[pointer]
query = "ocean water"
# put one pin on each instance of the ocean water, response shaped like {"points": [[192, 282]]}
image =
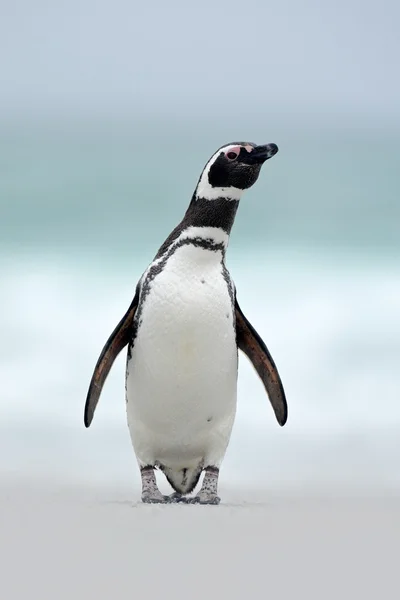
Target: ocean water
{"points": [[315, 257]]}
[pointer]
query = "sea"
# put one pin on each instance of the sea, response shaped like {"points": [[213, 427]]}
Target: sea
{"points": [[314, 254]]}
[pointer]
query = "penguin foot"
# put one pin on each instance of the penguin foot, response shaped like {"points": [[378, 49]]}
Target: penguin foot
{"points": [[208, 493], [150, 492], [204, 498], [155, 499]]}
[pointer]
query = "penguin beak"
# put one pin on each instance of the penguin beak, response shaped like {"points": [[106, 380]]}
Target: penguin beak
{"points": [[260, 154]]}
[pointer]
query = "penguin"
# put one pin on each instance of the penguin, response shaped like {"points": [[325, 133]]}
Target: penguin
{"points": [[183, 331]]}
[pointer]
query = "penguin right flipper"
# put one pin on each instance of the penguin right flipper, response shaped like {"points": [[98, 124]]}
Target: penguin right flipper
{"points": [[119, 338], [249, 342]]}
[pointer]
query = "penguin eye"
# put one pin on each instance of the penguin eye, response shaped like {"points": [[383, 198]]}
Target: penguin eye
{"points": [[231, 155]]}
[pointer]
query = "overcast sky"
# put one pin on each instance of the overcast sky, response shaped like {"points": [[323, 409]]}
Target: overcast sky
{"points": [[124, 57]]}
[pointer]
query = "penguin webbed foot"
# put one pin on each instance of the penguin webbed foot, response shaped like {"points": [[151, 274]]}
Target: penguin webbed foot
{"points": [[155, 499], [150, 492], [208, 492], [200, 498], [204, 498]]}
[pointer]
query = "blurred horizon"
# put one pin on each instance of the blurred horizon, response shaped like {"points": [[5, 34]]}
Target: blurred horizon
{"points": [[94, 188]]}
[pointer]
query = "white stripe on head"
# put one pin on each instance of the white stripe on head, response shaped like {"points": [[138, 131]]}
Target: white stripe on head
{"points": [[207, 191]]}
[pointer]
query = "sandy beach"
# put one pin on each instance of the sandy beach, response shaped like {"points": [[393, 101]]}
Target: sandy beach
{"points": [[75, 542]]}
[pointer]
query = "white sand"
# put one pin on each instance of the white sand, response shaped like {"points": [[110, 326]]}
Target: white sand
{"points": [[99, 543]]}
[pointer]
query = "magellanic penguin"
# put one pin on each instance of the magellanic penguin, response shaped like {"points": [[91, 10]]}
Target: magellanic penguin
{"points": [[183, 330]]}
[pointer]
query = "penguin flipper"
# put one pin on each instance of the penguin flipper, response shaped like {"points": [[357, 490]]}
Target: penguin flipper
{"points": [[116, 342], [249, 342]]}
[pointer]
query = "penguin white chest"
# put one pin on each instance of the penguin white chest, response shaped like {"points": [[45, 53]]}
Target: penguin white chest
{"points": [[182, 373]]}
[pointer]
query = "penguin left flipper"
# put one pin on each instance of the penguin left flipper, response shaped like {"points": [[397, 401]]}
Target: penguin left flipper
{"points": [[249, 342], [116, 342]]}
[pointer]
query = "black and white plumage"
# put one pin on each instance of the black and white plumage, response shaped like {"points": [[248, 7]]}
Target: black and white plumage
{"points": [[183, 330]]}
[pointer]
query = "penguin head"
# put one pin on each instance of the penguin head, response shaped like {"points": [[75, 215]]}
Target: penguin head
{"points": [[232, 169]]}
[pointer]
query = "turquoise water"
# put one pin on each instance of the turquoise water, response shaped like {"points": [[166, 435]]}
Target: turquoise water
{"points": [[315, 256], [121, 191]]}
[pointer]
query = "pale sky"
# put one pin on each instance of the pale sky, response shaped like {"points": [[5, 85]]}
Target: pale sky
{"points": [[82, 57]]}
